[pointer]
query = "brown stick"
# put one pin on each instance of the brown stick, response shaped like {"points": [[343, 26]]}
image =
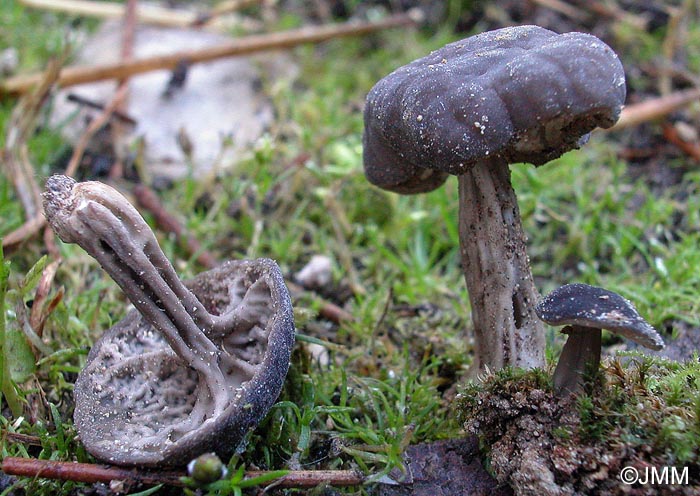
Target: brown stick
{"points": [[328, 310], [91, 473], [16, 437], [690, 148], [14, 157], [220, 9], [251, 44], [26, 230], [39, 312], [147, 14], [21, 126], [117, 129], [564, 8], [85, 472], [654, 108]]}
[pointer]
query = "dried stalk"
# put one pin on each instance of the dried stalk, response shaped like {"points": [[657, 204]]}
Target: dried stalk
{"points": [[26, 230], [117, 130], [91, 473], [243, 46], [14, 156], [23, 122], [42, 308], [655, 108], [84, 472], [690, 148], [147, 14], [222, 8], [16, 437], [564, 8]]}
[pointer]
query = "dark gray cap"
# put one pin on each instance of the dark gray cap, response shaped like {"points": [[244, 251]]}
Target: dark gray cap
{"points": [[524, 94], [134, 394], [591, 306]]}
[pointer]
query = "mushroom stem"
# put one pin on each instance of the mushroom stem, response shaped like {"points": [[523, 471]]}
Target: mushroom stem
{"points": [[497, 270], [579, 358], [109, 228]]}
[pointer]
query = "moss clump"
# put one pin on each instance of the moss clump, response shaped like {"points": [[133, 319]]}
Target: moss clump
{"points": [[643, 414]]}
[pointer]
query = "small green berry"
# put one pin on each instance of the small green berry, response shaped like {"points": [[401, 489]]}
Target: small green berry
{"points": [[206, 468]]}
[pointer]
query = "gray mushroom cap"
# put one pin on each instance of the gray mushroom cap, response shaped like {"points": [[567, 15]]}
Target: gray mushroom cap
{"points": [[594, 307], [524, 94], [134, 391], [196, 364]]}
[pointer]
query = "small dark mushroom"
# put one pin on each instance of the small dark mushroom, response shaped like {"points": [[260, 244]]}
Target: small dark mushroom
{"points": [[197, 365], [520, 94], [586, 310]]}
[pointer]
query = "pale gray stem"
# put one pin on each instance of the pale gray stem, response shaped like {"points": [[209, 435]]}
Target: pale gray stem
{"points": [[497, 270], [580, 358], [136, 232]]}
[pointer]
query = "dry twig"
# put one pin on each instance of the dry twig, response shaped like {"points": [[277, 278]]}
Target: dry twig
{"points": [[655, 108], [16, 437], [91, 473], [220, 9], [41, 308], [120, 105], [117, 99], [147, 14], [564, 8], [85, 472], [342, 229], [690, 148], [15, 155], [243, 46]]}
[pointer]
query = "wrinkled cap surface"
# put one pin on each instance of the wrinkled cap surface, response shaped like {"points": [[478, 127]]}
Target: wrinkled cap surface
{"points": [[591, 306], [523, 94], [137, 402]]}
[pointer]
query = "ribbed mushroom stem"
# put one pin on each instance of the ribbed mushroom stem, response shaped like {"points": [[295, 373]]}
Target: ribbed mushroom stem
{"points": [[497, 270], [109, 228]]}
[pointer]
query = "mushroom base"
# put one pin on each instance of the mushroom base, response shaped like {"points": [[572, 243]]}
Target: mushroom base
{"points": [[497, 271]]}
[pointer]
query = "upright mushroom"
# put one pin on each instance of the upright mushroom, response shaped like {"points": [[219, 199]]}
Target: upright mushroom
{"points": [[196, 365], [521, 94], [586, 310]]}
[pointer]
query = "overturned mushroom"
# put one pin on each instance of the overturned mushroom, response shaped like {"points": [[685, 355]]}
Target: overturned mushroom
{"points": [[521, 94], [586, 310], [197, 365]]}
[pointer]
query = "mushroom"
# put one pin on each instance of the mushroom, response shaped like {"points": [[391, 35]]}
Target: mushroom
{"points": [[586, 310], [519, 94], [196, 365]]}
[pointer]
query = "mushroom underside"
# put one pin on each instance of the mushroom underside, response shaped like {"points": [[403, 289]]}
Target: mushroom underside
{"points": [[138, 403]]}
